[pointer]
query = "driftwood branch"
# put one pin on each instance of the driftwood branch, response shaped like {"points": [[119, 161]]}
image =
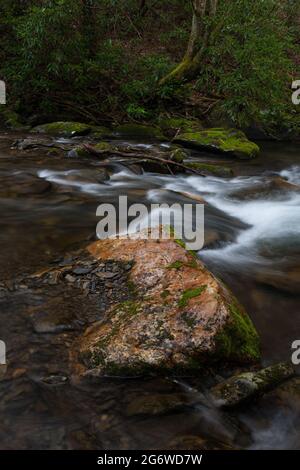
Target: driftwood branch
{"points": [[168, 163]]}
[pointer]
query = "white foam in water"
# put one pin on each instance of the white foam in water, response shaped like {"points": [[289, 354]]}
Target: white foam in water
{"points": [[58, 177], [292, 174], [122, 176], [269, 218]]}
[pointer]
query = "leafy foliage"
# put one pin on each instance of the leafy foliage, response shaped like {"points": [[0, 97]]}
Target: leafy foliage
{"points": [[247, 64], [102, 60]]}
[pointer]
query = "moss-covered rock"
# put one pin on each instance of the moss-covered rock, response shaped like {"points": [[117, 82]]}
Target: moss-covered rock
{"points": [[178, 155], [227, 141], [174, 125], [64, 129], [100, 132], [239, 338], [248, 385], [209, 169], [138, 132], [181, 319], [81, 151]]}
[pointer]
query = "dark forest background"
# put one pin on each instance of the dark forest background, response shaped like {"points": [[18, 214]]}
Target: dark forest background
{"points": [[108, 61]]}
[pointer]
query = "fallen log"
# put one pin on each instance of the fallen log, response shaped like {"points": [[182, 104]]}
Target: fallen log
{"points": [[168, 163]]}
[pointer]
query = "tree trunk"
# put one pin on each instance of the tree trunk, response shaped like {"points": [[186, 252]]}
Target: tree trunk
{"points": [[190, 65]]}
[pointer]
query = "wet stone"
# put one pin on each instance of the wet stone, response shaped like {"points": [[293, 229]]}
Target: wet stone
{"points": [[55, 380], [196, 443], [66, 262], [106, 275], [156, 404], [248, 385], [51, 320], [81, 270]]}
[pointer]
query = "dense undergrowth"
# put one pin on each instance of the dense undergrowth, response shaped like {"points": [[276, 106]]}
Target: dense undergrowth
{"points": [[101, 61]]}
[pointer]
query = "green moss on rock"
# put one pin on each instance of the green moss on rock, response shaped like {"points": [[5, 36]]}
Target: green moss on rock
{"points": [[239, 340], [190, 294], [178, 155], [135, 336], [165, 293], [215, 170], [100, 132], [228, 141], [81, 151], [248, 385], [65, 129], [173, 125], [176, 265]]}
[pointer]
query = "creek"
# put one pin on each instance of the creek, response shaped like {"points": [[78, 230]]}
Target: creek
{"points": [[252, 231]]}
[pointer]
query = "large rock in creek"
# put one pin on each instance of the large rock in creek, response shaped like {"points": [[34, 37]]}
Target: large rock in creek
{"points": [[275, 187], [180, 318], [72, 129], [172, 126], [209, 169], [23, 185], [82, 151], [286, 279], [64, 129], [248, 385], [227, 141]]}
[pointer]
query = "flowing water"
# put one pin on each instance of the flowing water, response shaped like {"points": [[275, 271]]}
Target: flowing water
{"points": [[252, 227]]}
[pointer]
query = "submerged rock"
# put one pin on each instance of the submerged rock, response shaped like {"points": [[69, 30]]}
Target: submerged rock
{"points": [[51, 318], [181, 316], [55, 380], [285, 280], [243, 387], [287, 395], [275, 187], [81, 151], [227, 141], [209, 169], [64, 129], [197, 443], [156, 404], [22, 185]]}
